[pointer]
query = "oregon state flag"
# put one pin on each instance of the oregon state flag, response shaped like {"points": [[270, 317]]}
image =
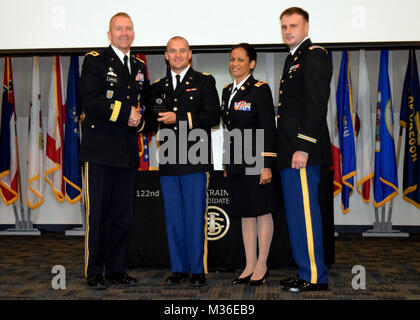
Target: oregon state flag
{"points": [[409, 119], [35, 189], [346, 132], [71, 165], [385, 180], [143, 140], [334, 136], [9, 169], [54, 148]]}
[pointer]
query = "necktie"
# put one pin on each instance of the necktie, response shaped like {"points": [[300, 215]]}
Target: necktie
{"points": [[231, 96], [126, 66], [178, 80]]}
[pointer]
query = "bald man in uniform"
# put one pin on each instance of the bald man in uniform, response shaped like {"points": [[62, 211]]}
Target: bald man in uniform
{"points": [[113, 90]]}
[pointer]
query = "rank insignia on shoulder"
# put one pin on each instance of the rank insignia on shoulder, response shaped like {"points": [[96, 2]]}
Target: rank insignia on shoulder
{"points": [[226, 85], [260, 83], [141, 60], [318, 47], [206, 74], [92, 53], [156, 81]]}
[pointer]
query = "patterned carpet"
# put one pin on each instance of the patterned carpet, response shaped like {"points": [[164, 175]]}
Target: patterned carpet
{"points": [[392, 267]]}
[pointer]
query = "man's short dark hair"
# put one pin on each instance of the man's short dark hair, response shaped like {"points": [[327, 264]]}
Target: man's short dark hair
{"points": [[295, 10]]}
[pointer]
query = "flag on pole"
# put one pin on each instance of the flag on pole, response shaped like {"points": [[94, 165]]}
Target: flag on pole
{"points": [[346, 132], [35, 163], [9, 167], [364, 134], [54, 149], [409, 119], [143, 140], [385, 180], [334, 136], [71, 165]]}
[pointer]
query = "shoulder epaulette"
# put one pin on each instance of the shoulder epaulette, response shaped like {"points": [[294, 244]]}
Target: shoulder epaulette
{"points": [[227, 85], [92, 53], [260, 83], [317, 47], [206, 74], [156, 81], [141, 60]]}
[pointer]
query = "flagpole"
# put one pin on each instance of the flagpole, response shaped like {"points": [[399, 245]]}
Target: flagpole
{"points": [[389, 222]]}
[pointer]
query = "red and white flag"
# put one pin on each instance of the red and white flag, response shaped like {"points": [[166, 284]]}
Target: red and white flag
{"points": [[364, 134], [334, 137], [35, 192], [54, 148], [9, 167]]}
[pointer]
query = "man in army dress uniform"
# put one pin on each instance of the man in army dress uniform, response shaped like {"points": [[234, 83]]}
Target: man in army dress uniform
{"points": [[303, 147], [113, 89], [192, 102]]}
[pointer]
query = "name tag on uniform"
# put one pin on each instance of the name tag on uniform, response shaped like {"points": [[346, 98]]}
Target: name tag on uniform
{"points": [[242, 106]]}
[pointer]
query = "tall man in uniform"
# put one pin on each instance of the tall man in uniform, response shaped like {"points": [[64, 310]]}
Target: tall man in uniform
{"points": [[113, 89], [303, 147], [192, 103]]}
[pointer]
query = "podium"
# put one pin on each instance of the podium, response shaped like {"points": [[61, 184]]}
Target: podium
{"points": [[148, 244]]}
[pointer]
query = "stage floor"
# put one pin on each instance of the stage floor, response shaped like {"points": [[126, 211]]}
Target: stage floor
{"points": [[392, 267]]}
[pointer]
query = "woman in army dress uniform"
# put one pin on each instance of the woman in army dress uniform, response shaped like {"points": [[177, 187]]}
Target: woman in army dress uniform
{"points": [[247, 104]]}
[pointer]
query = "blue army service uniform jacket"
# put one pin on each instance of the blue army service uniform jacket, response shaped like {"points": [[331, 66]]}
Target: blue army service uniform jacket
{"points": [[196, 104], [251, 108], [302, 108], [107, 96]]}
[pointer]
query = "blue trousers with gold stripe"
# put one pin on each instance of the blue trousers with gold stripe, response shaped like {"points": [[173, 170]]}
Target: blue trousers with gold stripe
{"points": [[185, 202], [300, 190]]}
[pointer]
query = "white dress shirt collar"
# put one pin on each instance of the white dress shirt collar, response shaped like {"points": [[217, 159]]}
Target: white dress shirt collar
{"points": [[121, 55], [292, 52], [182, 75]]}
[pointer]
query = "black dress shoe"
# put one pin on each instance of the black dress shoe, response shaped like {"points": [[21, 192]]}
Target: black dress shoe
{"points": [[288, 282], [302, 285], [241, 280], [121, 278], [198, 279], [259, 281], [176, 277], [96, 282]]}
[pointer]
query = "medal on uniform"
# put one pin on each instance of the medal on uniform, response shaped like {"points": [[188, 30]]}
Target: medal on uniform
{"points": [[242, 106], [294, 67], [109, 94], [140, 76]]}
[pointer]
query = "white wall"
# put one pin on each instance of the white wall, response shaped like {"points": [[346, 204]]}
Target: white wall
{"points": [[82, 24], [52, 212]]}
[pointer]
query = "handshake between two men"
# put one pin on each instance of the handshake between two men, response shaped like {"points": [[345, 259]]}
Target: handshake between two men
{"points": [[135, 117]]}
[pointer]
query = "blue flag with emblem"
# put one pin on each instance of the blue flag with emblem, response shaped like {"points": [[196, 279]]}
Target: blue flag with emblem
{"points": [[409, 119], [71, 165], [385, 183], [346, 132]]}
